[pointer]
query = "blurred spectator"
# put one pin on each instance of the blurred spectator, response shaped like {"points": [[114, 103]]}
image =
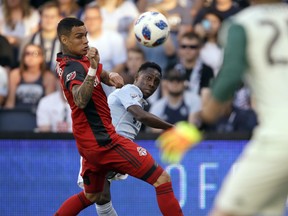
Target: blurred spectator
{"points": [[225, 9], [70, 8], [37, 3], [118, 15], [178, 105], [31, 81], [6, 53], [109, 43], [46, 37], [207, 29], [18, 20], [51, 118], [198, 75], [3, 85], [136, 58]]}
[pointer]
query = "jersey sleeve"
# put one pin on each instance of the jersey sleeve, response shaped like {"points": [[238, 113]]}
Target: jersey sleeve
{"points": [[74, 73], [234, 64], [130, 95]]}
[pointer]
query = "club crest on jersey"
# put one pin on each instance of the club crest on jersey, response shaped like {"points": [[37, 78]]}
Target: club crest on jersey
{"points": [[142, 151], [71, 76], [133, 95]]}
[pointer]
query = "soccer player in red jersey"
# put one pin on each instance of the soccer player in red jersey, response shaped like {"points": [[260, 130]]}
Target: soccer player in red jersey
{"points": [[100, 146]]}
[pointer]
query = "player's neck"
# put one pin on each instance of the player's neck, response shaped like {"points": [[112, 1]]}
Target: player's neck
{"points": [[65, 51]]}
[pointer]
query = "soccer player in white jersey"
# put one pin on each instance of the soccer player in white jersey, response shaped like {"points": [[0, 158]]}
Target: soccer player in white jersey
{"points": [[127, 111], [256, 49]]}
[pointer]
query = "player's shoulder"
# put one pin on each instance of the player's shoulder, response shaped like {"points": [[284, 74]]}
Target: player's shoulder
{"points": [[130, 88]]}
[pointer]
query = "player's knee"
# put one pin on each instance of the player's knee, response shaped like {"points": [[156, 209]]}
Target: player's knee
{"points": [[103, 199], [93, 197], [163, 178]]}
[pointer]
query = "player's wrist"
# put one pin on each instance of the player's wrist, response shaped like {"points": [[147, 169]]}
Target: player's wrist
{"points": [[92, 71]]}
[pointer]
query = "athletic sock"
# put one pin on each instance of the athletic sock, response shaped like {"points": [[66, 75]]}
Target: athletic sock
{"points": [[106, 209], [73, 205], [168, 204]]}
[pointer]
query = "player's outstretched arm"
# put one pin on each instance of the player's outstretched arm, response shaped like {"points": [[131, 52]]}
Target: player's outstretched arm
{"points": [[148, 118], [112, 79]]}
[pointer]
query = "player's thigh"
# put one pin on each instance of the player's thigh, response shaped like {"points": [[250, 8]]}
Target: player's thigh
{"points": [[93, 182], [130, 158], [259, 183]]}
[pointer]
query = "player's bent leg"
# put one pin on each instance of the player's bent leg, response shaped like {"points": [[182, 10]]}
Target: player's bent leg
{"points": [[168, 204], [163, 178], [73, 205], [103, 203]]}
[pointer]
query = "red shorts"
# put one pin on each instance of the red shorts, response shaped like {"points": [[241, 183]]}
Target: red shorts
{"points": [[121, 155]]}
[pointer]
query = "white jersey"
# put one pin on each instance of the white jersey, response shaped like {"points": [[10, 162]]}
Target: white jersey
{"points": [[266, 28], [124, 122]]}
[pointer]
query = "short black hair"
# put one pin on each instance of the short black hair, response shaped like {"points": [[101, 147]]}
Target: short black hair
{"points": [[148, 64], [66, 24]]}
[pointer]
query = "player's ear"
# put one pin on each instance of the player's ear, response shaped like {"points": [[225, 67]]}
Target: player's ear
{"points": [[136, 77], [64, 39]]}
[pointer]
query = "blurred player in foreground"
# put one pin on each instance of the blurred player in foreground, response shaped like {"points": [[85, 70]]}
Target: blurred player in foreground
{"points": [[98, 143], [256, 48], [127, 111]]}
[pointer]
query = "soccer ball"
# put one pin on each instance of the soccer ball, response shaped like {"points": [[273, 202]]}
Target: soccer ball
{"points": [[151, 29]]}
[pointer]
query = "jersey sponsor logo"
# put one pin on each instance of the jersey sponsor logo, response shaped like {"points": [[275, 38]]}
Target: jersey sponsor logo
{"points": [[70, 76], [133, 95], [142, 151]]}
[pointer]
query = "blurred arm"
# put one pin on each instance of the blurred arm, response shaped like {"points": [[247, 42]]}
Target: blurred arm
{"points": [[230, 76]]}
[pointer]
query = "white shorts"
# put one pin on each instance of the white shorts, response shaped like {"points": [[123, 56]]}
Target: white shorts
{"points": [[259, 182]]}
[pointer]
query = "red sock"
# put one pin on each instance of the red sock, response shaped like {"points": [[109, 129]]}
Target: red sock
{"points": [[73, 205], [168, 204]]}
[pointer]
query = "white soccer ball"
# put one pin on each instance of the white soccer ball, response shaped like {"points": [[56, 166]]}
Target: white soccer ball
{"points": [[151, 29]]}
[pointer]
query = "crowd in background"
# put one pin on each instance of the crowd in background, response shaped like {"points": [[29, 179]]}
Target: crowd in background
{"points": [[190, 58]]}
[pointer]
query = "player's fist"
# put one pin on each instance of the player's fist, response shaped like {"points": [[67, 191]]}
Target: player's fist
{"points": [[176, 141], [94, 57], [116, 80]]}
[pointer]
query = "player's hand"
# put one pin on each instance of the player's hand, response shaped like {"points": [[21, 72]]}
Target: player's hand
{"points": [[176, 141], [94, 57], [116, 80]]}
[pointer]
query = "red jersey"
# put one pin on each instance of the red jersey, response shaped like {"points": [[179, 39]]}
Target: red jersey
{"points": [[92, 126]]}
